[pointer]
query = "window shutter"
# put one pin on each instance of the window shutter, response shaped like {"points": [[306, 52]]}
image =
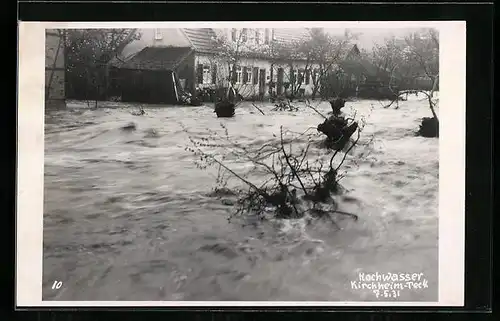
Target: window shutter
{"points": [[200, 73], [214, 74], [308, 75], [255, 75], [292, 76], [245, 75]]}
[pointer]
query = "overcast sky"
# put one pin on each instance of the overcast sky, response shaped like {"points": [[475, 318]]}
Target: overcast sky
{"points": [[368, 37]]}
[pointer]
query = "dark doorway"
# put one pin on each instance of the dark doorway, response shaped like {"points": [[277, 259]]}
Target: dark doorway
{"points": [[279, 84], [145, 86], [262, 81]]}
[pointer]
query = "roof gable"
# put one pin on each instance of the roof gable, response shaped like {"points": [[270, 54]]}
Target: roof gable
{"points": [[354, 62], [200, 39]]}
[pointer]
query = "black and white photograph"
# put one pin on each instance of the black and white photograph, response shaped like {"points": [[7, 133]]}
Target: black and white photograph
{"points": [[245, 162]]}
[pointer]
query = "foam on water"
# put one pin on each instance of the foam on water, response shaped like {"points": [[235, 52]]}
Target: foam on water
{"points": [[128, 216]]}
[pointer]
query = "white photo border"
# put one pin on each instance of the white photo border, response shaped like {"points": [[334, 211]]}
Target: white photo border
{"points": [[30, 159]]}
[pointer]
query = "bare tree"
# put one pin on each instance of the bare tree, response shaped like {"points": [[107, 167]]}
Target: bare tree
{"points": [[326, 52], [423, 50], [295, 58], [402, 62], [308, 59], [88, 52], [416, 57], [229, 55], [388, 60], [392, 65]]}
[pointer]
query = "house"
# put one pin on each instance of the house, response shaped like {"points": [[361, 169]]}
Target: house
{"points": [[352, 71], [54, 69], [201, 63], [360, 70]]}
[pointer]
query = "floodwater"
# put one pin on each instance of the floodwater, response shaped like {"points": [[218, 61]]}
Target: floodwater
{"points": [[128, 215]]}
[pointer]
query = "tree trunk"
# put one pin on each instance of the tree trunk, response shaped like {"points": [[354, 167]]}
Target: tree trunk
{"points": [[314, 92], [434, 85], [431, 104]]}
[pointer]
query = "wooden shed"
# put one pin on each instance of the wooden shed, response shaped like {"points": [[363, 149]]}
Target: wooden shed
{"points": [[150, 76]]}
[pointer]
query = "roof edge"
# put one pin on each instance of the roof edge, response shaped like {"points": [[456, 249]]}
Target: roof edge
{"points": [[181, 60], [188, 39]]}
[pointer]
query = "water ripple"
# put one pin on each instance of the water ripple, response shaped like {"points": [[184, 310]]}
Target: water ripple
{"points": [[128, 216]]}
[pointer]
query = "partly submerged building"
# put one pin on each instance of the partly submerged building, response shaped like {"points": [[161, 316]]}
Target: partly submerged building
{"points": [[151, 75], [193, 56]]}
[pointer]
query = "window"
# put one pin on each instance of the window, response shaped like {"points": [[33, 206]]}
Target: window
{"points": [[308, 75], [251, 36], [266, 37], [158, 34], [247, 76], [207, 75], [234, 35], [244, 35], [257, 37], [238, 75]]}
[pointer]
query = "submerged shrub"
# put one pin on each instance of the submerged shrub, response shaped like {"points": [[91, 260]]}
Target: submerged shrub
{"points": [[294, 183], [224, 108], [429, 127]]}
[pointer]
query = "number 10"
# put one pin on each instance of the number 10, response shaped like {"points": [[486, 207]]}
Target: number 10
{"points": [[57, 285]]}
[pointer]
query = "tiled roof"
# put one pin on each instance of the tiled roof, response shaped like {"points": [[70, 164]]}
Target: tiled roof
{"points": [[291, 34], [201, 38], [360, 65], [156, 58]]}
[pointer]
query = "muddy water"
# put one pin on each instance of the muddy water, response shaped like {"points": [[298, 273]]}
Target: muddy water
{"points": [[128, 216]]}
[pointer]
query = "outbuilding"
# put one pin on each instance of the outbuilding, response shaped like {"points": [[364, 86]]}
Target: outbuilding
{"points": [[150, 76]]}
